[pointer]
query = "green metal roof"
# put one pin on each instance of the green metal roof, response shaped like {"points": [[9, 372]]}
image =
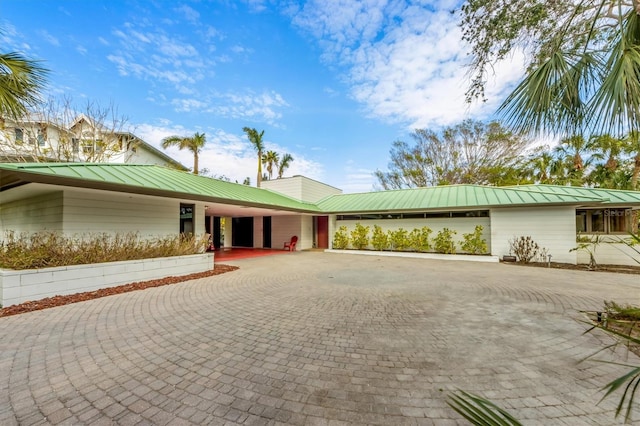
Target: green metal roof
{"points": [[446, 197], [165, 182], [147, 179], [609, 196]]}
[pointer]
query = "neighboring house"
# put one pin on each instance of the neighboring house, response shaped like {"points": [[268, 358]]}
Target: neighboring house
{"points": [[79, 198], [36, 139]]}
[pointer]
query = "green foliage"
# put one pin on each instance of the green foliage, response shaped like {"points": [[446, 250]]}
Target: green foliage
{"points": [[473, 242], [360, 237], [49, 249], [22, 81], [589, 245], [379, 239], [480, 411], [443, 242], [341, 239], [399, 239], [419, 239], [524, 248]]}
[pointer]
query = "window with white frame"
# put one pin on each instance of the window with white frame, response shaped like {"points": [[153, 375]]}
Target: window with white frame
{"points": [[604, 221]]}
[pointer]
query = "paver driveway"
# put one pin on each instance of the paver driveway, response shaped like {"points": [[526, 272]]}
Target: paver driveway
{"points": [[317, 338]]}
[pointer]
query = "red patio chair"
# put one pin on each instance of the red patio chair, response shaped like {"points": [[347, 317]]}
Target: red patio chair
{"points": [[291, 245]]}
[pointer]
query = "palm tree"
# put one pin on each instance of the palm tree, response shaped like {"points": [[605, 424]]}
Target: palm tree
{"points": [[606, 146], [284, 164], [21, 81], [632, 147], [572, 150], [256, 140], [194, 144], [591, 84], [270, 159]]}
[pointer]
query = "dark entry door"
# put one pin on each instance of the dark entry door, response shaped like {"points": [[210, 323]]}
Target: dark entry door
{"points": [[216, 232], [266, 232], [323, 232], [242, 230]]}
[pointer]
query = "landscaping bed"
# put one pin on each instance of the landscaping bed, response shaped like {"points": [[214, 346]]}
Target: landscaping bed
{"points": [[54, 301], [621, 269]]}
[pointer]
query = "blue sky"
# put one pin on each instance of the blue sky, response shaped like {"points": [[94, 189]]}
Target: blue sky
{"points": [[332, 82]]}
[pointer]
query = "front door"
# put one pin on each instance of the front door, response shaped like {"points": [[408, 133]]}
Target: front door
{"points": [[266, 232], [242, 232], [323, 232]]}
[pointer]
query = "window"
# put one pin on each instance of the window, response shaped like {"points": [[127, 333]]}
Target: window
{"points": [[40, 138], [75, 145], [19, 136], [425, 215], [603, 221]]}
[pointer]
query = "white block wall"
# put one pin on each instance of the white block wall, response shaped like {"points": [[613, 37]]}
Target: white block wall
{"points": [[612, 252], [34, 284], [462, 225], [553, 228], [258, 235], [301, 188], [112, 212], [33, 214], [285, 227]]}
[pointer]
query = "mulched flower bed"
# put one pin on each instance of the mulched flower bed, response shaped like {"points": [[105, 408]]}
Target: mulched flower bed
{"points": [[621, 269], [54, 301]]}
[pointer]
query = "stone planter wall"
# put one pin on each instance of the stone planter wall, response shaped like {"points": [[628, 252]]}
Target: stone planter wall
{"points": [[34, 284]]}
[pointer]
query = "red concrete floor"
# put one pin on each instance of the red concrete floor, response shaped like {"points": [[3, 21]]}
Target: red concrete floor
{"points": [[245, 253]]}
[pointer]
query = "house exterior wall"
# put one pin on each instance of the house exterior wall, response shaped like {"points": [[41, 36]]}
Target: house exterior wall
{"points": [[553, 228], [258, 235], [301, 188], [111, 212], [460, 225], [285, 227], [33, 214], [611, 251]]}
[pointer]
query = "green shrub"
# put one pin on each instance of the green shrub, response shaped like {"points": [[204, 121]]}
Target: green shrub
{"points": [[341, 239], [474, 243], [360, 237], [443, 242], [48, 249], [379, 239], [419, 239], [399, 239]]}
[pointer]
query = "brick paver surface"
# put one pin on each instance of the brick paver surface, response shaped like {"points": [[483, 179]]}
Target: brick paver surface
{"points": [[319, 339]]}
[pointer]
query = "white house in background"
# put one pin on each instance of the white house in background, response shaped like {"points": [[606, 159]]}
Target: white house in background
{"points": [[80, 198], [36, 139]]}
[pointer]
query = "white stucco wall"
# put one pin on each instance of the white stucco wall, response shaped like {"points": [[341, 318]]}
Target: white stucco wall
{"points": [[553, 228], [610, 251], [285, 227], [462, 225], [258, 233], [301, 188], [39, 213]]}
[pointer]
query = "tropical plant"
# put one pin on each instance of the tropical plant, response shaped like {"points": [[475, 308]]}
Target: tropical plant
{"points": [[632, 147], [193, 143], [589, 245], [379, 238], [443, 241], [584, 60], [270, 159], [256, 141], [524, 248], [419, 239], [473, 242], [341, 238], [480, 411], [285, 163], [398, 239], [21, 83], [360, 237]]}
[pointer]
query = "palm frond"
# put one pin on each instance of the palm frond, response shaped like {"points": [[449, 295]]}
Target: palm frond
{"points": [[480, 411]]}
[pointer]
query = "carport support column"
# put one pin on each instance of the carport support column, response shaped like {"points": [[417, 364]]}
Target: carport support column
{"points": [[228, 236], [332, 228]]}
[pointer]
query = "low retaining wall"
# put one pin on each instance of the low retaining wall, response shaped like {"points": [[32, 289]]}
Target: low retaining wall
{"points": [[34, 284], [435, 256]]}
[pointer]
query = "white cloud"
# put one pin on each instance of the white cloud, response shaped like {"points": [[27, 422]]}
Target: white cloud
{"points": [[225, 153], [189, 13], [405, 63], [49, 38]]}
